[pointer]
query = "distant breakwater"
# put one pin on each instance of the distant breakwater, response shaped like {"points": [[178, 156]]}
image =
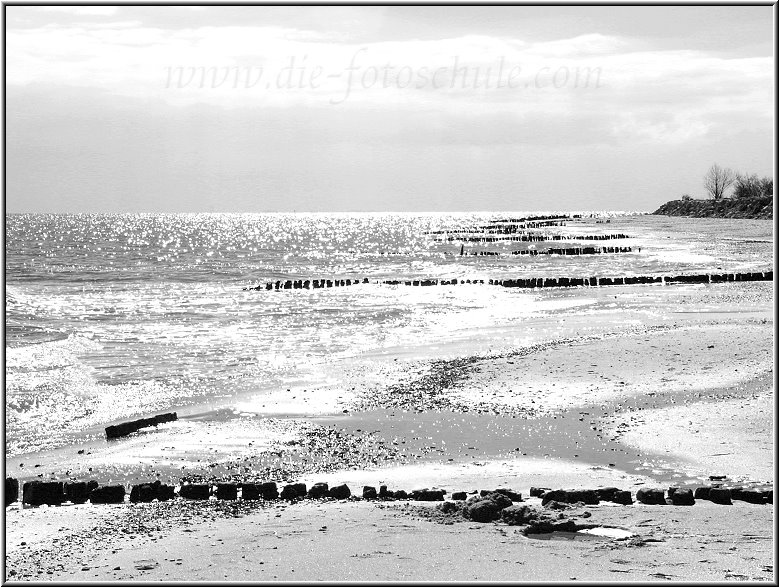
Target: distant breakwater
{"points": [[761, 208], [535, 238], [524, 282]]}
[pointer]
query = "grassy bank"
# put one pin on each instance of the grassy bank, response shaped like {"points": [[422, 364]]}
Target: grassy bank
{"points": [[756, 208]]}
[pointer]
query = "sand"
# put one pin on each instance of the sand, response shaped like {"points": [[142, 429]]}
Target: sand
{"points": [[353, 541], [647, 406], [733, 437], [586, 372]]}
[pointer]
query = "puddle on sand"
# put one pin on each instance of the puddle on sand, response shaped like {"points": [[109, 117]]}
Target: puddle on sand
{"points": [[600, 533], [462, 436], [606, 532]]}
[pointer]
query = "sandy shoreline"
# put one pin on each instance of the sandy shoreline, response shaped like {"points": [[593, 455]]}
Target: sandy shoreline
{"points": [[642, 407]]}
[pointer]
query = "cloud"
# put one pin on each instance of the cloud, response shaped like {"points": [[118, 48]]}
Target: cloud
{"points": [[269, 66], [225, 112], [79, 10]]}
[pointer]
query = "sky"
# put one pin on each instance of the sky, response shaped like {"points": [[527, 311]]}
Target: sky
{"points": [[381, 108]]}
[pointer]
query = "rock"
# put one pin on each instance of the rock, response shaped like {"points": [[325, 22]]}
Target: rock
{"points": [[339, 491], [651, 496], [226, 491], [448, 507], [518, 515], [43, 492], [250, 491], [293, 491], [556, 505], [682, 497], [401, 494], [483, 509], [510, 493], [194, 491], [720, 495], [502, 500], [269, 490], [701, 492], [539, 491], [11, 490], [369, 492], [107, 494], [318, 490], [427, 494], [384, 493], [459, 496], [671, 491]]}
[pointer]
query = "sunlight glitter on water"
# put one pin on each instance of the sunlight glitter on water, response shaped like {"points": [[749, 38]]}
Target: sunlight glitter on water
{"points": [[160, 300]]}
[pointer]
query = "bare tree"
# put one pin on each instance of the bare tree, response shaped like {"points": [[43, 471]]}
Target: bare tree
{"points": [[717, 180]]}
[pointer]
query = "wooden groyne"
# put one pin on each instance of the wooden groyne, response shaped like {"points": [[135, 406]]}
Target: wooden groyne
{"points": [[524, 282], [509, 225], [55, 493], [308, 284], [536, 238], [126, 428], [535, 218], [557, 251]]}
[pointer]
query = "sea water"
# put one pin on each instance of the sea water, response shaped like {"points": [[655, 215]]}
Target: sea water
{"points": [[120, 315]]}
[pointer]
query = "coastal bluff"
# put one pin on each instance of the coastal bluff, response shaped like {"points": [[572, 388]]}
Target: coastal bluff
{"points": [[761, 208]]}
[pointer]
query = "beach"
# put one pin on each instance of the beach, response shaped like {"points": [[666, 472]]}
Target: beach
{"points": [[672, 421], [375, 293], [626, 386]]}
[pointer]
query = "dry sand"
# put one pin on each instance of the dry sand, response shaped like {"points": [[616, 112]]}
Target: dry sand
{"points": [[731, 436], [361, 541], [585, 372]]}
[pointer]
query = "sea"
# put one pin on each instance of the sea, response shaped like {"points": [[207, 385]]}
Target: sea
{"points": [[114, 316]]}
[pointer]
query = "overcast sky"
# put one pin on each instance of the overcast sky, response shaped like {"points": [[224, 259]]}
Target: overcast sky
{"points": [[259, 109]]}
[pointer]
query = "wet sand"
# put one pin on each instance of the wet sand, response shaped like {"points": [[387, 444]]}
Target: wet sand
{"points": [[643, 405]]}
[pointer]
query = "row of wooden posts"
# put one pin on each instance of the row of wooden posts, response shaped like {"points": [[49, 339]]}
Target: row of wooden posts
{"points": [[512, 223], [500, 228], [554, 251], [528, 282], [37, 493], [536, 238]]}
